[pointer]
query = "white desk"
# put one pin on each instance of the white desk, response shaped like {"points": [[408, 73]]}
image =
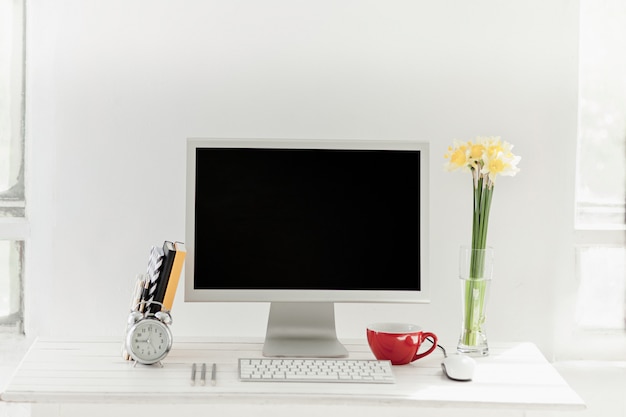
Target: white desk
{"points": [[77, 378]]}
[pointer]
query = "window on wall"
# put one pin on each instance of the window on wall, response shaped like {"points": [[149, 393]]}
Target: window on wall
{"points": [[601, 167], [13, 225]]}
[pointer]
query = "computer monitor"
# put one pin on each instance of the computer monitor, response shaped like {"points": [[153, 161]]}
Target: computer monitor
{"points": [[304, 224]]}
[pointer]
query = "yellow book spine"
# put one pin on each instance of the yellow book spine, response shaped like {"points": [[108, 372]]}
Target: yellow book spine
{"points": [[177, 267]]}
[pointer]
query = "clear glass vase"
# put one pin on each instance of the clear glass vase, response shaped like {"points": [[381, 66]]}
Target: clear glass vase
{"points": [[475, 273]]}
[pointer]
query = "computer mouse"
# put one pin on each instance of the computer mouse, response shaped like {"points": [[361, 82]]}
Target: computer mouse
{"points": [[458, 367]]}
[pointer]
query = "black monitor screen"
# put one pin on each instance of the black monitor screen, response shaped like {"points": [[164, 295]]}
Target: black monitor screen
{"points": [[328, 219]]}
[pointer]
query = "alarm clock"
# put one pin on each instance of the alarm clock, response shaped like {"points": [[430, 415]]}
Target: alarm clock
{"points": [[148, 338]]}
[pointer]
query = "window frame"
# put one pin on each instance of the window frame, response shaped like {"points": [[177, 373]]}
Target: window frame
{"points": [[574, 340], [14, 226]]}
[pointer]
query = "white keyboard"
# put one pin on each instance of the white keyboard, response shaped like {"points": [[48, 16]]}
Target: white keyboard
{"points": [[316, 370]]}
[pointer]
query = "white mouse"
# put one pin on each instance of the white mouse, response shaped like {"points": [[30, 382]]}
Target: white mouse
{"points": [[458, 367]]}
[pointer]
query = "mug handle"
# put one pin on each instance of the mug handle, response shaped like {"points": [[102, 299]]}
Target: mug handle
{"points": [[426, 335]]}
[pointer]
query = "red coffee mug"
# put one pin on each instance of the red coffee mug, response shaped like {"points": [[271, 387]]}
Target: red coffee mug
{"points": [[398, 342]]}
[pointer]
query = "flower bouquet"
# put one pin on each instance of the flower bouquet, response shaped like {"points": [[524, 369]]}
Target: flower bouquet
{"points": [[484, 158]]}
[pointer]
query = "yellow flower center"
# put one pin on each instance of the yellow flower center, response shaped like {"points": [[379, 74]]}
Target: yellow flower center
{"points": [[476, 151], [493, 150], [496, 166]]}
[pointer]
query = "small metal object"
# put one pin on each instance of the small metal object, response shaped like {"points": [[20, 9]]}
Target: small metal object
{"points": [[164, 316], [134, 317], [203, 374], [193, 374]]}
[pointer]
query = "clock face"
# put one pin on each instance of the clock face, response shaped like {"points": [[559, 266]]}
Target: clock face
{"points": [[149, 341]]}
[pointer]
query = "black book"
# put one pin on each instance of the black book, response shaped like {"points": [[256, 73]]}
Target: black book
{"points": [[169, 253]]}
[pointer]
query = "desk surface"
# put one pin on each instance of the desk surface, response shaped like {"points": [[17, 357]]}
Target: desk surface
{"points": [[513, 376]]}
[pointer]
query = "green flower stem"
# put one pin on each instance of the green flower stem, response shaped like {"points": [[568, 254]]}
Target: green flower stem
{"points": [[474, 313], [476, 285]]}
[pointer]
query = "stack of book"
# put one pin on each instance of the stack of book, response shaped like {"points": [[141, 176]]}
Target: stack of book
{"points": [[156, 289]]}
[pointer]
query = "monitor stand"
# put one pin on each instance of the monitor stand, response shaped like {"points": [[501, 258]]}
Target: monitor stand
{"points": [[302, 330]]}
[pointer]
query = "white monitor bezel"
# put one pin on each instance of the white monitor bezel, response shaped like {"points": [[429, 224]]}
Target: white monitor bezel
{"points": [[308, 295]]}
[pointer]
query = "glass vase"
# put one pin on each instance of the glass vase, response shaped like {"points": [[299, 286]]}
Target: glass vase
{"points": [[475, 273]]}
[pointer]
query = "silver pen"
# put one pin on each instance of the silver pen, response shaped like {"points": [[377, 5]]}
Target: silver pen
{"points": [[203, 374], [213, 374], [193, 374]]}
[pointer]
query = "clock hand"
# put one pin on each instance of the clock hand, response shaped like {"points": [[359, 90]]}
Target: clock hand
{"points": [[150, 342]]}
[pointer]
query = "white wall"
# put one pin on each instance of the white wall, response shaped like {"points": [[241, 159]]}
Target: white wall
{"points": [[114, 89]]}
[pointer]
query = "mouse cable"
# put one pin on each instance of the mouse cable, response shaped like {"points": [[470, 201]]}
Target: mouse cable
{"points": [[430, 339]]}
